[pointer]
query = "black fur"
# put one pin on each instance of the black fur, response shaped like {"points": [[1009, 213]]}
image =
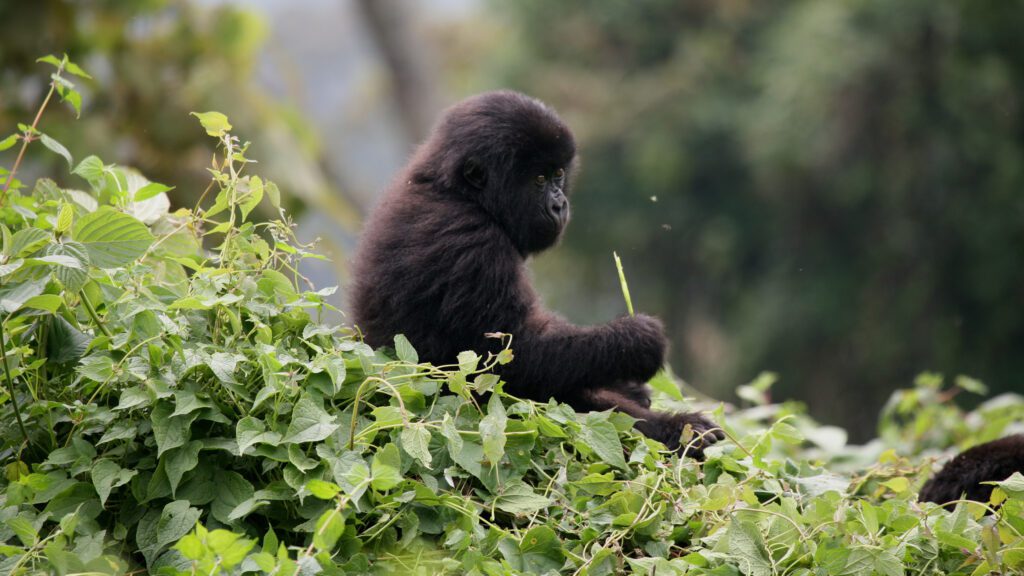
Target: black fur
{"points": [[961, 477], [442, 260]]}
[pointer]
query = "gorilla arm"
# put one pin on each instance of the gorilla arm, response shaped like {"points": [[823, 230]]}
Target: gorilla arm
{"points": [[560, 359]]}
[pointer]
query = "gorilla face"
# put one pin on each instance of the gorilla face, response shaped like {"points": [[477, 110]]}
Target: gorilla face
{"points": [[513, 156], [549, 210], [530, 201]]}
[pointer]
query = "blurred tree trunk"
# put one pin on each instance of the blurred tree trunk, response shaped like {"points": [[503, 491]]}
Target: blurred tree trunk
{"points": [[391, 23]]}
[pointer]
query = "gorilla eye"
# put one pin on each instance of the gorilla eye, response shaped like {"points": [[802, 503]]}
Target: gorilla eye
{"points": [[540, 180], [559, 174]]}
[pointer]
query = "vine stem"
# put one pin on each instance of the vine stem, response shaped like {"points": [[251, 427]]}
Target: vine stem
{"points": [[10, 383], [92, 314], [355, 407], [26, 139]]}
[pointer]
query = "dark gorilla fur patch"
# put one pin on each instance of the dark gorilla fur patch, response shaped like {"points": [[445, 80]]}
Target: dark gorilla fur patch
{"points": [[962, 476], [442, 259]]}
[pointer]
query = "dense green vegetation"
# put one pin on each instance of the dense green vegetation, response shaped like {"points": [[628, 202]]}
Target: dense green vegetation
{"points": [[175, 404]]}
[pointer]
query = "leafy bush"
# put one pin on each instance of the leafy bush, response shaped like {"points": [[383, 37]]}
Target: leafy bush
{"points": [[180, 410]]}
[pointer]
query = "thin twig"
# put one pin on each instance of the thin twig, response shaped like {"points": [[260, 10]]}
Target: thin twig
{"points": [[28, 138]]}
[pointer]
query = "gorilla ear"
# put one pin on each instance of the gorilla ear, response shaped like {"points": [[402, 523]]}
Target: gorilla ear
{"points": [[474, 173]]}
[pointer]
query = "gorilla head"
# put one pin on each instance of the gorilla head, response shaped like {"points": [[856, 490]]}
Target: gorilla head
{"points": [[513, 155]]}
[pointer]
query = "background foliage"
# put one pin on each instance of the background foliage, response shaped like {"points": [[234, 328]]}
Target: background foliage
{"points": [[838, 185]]}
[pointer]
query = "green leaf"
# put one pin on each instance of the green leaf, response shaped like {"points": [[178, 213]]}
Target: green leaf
{"points": [[99, 368], [151, 190], [323, 490], [9, 141], [888, 564], [65, 343], [416, 443], [231, 549], [73, 278], [56, 147], [187, 402], [786, 433], [191, 547], [232, 489], [541, 551], [451, 434], [14, 297], [107, 475], [329, 528], [169, 431], [181, 460], [663, 382], [519, 498], [11, 267], [352, 474], [91, 168], [299, 460], [189, 303], [386, 469], [253, 198], [176, 520], [65, 218], [27, 241], [23, 529], [251, 431], [51, 59], [273, 194], [310, 423], [1013, 486], [111, 238], [469, 456], [76, 70], [48, 302], [75, 99], [492, 430], [215, 123], [971, 385], [898, 485], [746, 548], [405, 351], [54, 260], [601, 436], [468, 361]]}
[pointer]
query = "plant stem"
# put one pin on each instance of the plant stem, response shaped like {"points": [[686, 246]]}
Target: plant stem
{"points": [[26, 139], [92, 314], [10, 384], [622, 283]]}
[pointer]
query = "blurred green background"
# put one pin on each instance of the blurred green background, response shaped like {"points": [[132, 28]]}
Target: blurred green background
{"points": [[833, 191]]}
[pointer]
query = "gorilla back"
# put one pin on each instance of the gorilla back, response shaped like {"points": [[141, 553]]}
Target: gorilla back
{"points": [[442, 260]]}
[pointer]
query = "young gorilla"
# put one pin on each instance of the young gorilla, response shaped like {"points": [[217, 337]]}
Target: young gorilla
{"points": [[963, 475], [442, 260]]}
